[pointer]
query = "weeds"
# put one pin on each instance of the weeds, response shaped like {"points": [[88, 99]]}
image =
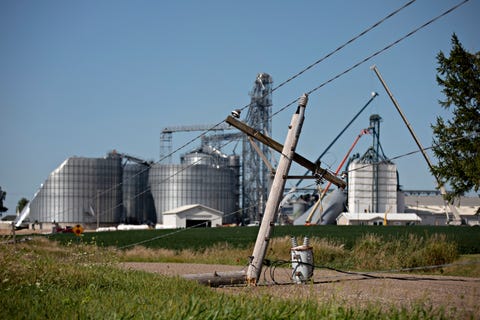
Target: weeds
{"points": [[217, 254], [374, 253], [371, 252], [42, 279]]}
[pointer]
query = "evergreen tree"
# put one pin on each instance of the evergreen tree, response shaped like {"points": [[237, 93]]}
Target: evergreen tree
{"points": [[21, 204], [456, 142], [3, 195]]}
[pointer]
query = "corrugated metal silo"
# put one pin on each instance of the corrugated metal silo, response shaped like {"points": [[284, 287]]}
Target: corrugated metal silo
{"points": [[195, 158], [176, 185], [137, 198], [372, 189], [79, 189]]}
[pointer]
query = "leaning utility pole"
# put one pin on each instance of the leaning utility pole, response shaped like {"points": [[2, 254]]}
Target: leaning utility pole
{"points": [[276, 193], [457, 219]]}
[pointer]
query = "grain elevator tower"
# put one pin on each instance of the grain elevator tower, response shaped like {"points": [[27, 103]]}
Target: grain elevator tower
{"points": [[256, 176]]}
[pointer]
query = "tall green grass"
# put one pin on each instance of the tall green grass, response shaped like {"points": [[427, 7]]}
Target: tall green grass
{"points": [[42, 280], [370, 253], [374, 253], [345, 247]]}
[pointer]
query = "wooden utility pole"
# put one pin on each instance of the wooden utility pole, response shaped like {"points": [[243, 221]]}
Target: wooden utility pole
{"points": [[288, 155], [440, 186], [276, 193], [217, 279], [13, 233]]}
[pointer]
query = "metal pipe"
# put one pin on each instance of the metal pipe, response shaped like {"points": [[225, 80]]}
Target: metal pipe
{"points": [[404, 118], [309, 218], [441, 187], [374, 95]]}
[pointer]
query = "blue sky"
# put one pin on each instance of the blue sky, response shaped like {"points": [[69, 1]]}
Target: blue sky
{"points": [[80, 78]]}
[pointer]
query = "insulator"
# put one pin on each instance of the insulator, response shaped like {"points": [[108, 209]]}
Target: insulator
{"points": [[302, 102], [306, 242], [294, 242]]}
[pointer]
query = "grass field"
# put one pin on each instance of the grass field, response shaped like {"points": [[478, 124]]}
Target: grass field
{"points": [[467, 239], [41, 279], [363, 248]]}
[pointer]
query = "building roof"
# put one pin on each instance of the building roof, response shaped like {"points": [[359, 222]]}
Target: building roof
{"points": [[374, 216], [466, 206], [190, 207], [437, 200]]}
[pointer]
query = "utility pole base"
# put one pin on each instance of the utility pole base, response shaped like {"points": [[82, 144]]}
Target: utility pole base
{"points": [[251, 282]]}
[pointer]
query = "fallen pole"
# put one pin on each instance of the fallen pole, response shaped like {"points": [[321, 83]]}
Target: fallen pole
{"points": [[217, 279]]}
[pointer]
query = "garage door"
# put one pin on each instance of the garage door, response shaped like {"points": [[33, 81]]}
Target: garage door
{"points": [[199, 223]]}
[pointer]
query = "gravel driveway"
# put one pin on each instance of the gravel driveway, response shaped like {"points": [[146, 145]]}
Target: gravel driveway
{"points": [[459, 296]]}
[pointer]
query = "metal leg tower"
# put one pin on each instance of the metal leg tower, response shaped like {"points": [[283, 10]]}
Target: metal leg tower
{"points": [[375, 120], [256, 175]]}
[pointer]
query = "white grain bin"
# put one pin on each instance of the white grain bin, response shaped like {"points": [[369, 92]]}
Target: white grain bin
{"points": [[372, 188]]}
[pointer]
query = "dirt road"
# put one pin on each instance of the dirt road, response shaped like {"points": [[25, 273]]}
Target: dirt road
{"points": [[459, 296]]}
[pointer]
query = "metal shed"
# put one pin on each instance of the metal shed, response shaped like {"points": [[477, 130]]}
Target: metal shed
{"points": [[195, 215]]}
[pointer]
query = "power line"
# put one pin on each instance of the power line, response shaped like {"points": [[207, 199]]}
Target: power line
{"points": [[232, 213], [376, 53], [381, 274], [300, 73], [237, 211], [410, 153], [376, 24]]}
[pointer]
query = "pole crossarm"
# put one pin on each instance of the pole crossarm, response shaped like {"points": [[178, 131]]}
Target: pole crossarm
{"points": [[318, 172]]}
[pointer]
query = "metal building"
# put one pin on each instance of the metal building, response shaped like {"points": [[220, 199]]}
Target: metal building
{"points": [[192, 216], [81, 190], [137, 199], [201, 178]]}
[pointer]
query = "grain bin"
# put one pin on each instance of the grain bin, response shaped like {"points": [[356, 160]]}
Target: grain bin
{"points": [[78, 190], [137, 199], [372, 187], [200, 182]]}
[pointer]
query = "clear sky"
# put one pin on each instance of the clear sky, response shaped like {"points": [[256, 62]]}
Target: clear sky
{"points": [[80, 78]]}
